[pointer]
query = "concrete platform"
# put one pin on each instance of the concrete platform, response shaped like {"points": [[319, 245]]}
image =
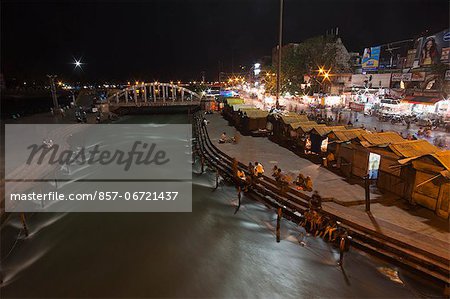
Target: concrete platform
{"points": [[390, 215]]}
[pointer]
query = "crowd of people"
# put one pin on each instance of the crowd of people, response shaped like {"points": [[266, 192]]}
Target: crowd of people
{"points": [[313, 220]]}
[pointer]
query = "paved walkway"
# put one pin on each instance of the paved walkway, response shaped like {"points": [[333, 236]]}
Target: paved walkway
{"points": [[422, 225]]}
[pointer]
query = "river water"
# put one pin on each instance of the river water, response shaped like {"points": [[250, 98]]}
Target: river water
{"points": [[207, 253]]}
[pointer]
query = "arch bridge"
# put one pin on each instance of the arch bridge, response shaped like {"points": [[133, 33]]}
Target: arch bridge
{"points": [[154, 95]]}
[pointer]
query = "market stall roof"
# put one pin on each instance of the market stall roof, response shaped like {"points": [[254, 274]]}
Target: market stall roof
{"points": [[246, 109], [294, 118], [257, 113], [421, 100], [297, 125], [236, 107], [322, 131], [346, 135], [442, 157], [413, 148], [379, 139], [234, 101], [308, 127]]}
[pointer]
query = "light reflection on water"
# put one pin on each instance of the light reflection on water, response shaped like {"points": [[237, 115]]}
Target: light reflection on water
{"points": [[207, 253]]}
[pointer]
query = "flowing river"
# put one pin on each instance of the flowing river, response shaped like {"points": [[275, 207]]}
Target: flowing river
{"points": [[207, 253]]}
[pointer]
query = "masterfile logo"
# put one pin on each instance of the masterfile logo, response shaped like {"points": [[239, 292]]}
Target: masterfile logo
{"points": [[119, 167]]}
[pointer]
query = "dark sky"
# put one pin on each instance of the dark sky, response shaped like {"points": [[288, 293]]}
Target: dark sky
{"points": [[178, 39]]}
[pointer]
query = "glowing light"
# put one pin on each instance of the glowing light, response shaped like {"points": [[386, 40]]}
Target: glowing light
{"points": [[77, 63]]}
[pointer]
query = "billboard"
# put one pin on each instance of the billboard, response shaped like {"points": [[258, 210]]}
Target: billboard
{"points": [[371, 59], [405, 77], [433, 49], [395, 55], [371, 80], [418, 76]]}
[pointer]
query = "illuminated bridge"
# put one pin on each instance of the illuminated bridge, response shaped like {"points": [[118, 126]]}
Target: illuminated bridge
{"points": [[154, 95]]}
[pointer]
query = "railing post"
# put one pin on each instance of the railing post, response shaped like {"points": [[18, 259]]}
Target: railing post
{"points": [[367, 192], [135, 94], [279, 215], [24, 224], [239, 200], [164, 92], [203, 164], [126, 96], [217, 178], [182, 94], [144, 94], [154, 92]]}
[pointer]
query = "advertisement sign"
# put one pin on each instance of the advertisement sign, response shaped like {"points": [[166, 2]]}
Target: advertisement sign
{"points": [[433, 49], [396, 77], [406, 77], [418, 76], [371, 58], [371, 80], [410, 57], [395, 55], [445, 54], [357, 107]]}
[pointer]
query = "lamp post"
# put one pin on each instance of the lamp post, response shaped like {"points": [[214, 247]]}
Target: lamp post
{"points": [[53, 90], [280, 38]]}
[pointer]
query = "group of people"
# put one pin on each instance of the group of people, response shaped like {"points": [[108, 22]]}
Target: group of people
{"points": [[225, 139], [425, 132], [304, 183], [255, 171]]}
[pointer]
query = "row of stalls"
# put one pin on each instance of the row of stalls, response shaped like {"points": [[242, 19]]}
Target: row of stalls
{"points": [[412, 169], [297, 132], [248, 119]]}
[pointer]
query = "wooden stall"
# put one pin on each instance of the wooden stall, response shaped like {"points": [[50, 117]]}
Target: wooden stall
{"points": [[281, 124], [227, 110], [362, 161], [254, 122], [319, 139], [429, 181]]}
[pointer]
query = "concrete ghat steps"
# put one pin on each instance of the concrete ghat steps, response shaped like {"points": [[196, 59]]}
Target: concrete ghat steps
{"points": [[388, 243]]}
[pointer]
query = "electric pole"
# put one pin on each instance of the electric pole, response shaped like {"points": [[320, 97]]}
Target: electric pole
{"points": [[280, 38], [53, 90]]}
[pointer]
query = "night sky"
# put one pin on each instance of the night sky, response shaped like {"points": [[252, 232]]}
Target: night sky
{"points": [[178, 39]]}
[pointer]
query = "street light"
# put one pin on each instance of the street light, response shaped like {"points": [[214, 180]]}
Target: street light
{"points": [[280, 39], [77, 63]]}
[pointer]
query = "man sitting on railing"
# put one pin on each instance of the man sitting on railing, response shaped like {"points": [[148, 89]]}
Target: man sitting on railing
{"points": [[315, 202], [300, 182], [259, 169]]}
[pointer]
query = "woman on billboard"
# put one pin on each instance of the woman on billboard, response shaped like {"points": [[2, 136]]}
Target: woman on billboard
{"points": [[429, 54]]}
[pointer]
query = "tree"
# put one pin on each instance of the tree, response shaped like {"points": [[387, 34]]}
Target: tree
{"points": [[307, 57]]}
